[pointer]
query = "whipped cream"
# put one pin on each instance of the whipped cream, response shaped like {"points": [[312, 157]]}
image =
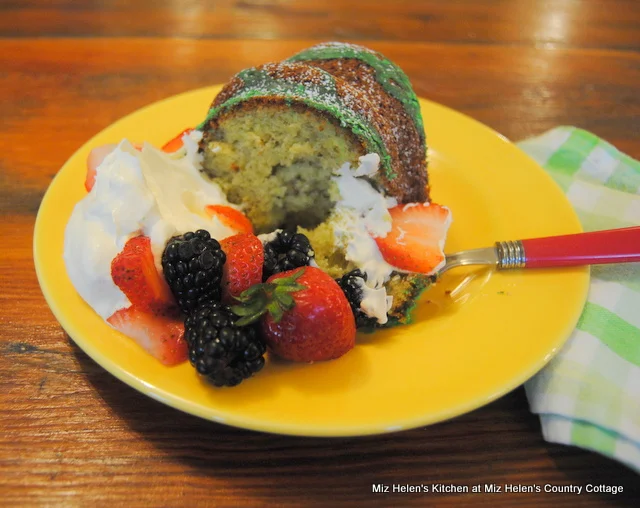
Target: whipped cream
{"points": [[136, 192], [361, 214], [375, 301], [269, 237]]}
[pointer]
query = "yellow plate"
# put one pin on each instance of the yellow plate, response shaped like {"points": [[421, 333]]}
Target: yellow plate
{"points": [[476, 336]]}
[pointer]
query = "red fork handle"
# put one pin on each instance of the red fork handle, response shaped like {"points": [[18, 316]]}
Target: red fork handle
{"points": [[598, 247]]}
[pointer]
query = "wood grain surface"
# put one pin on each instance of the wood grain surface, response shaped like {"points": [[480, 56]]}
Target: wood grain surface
{"points": [[72, 435]]}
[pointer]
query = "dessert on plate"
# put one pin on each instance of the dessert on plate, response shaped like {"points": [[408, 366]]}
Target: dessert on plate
{"points": [[297, 212]]}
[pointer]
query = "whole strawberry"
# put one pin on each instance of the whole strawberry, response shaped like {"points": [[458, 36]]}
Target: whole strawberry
{"points": [[305, 316], [243, 268]]}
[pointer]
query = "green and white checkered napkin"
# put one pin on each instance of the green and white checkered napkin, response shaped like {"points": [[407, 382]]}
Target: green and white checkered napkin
{"points": [[589, 394]]}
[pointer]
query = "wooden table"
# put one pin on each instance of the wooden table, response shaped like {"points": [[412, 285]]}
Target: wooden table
{"points": [[73, 435]]}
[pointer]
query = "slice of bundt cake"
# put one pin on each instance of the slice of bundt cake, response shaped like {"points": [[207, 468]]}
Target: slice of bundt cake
{"points": [[287, 141]]}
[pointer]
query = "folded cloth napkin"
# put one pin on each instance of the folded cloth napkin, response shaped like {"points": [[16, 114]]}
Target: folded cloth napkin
{"points": [[589, 394]]}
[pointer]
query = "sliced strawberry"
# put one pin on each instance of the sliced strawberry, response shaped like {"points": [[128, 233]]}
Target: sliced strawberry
{"points": [[230, 217], [243, 268], [176, 143], [160, 335], [134, 271], [95, 158], [417, 236], [90, 179]]}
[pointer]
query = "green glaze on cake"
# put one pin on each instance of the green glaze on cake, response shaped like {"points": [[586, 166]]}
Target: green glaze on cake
{"points": [[321, 95], [408, 288], [394, 81]]}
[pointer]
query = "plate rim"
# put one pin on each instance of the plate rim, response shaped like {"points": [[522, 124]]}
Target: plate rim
{"points": [[211, 413]]}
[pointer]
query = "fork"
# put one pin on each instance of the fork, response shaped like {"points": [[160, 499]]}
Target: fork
{"points": [[598, 247]]}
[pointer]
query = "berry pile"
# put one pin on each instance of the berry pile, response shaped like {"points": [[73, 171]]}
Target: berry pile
{"points": [[195, 267], [300, 312], [192, 265], [350, 284], [288, 250], [219, 349]]}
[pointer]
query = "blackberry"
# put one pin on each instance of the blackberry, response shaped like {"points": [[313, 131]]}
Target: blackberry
{"points": [[219, 349], [192, 265], [288, 250], [352, 290]]}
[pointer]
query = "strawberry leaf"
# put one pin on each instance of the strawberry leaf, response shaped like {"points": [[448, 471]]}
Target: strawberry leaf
{"points": [[274, 297], [275, 310], [248, 294], [239, 310], [285, 300], [251, 318]]}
